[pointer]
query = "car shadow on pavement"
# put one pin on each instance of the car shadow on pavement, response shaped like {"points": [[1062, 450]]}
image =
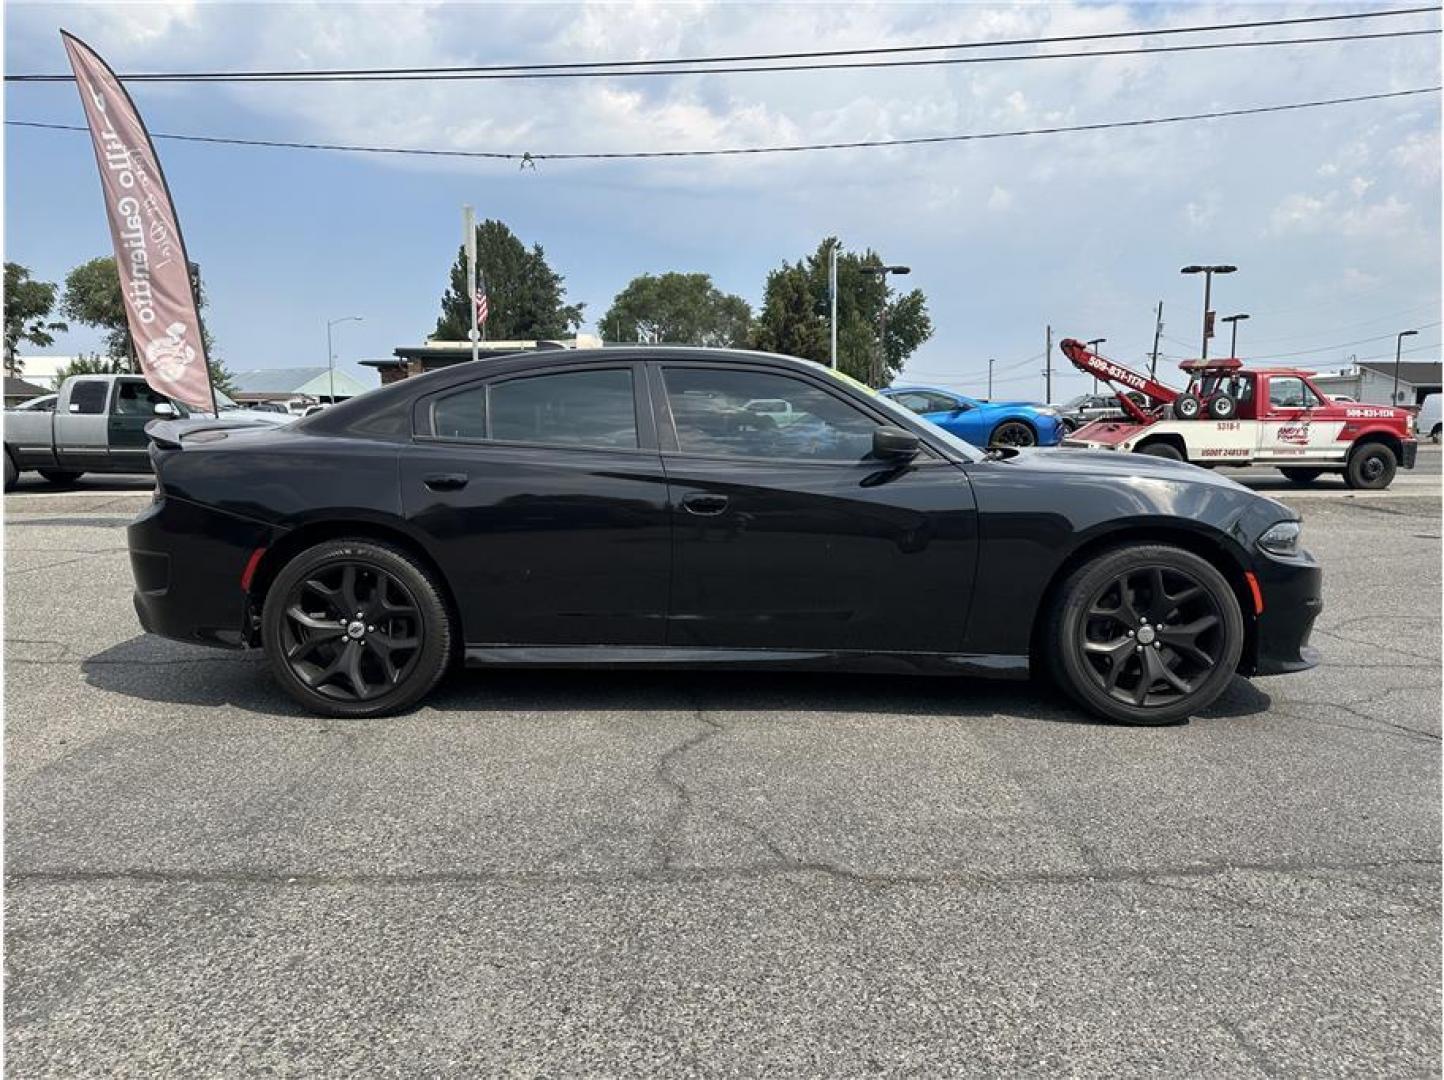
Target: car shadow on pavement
{"points": [[154, 669]]}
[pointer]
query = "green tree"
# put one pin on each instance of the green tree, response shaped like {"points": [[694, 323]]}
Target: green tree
{"points": [[795, 313], [684, 309], [92, 297], [92, 364], [526, 299], [28, 304]]}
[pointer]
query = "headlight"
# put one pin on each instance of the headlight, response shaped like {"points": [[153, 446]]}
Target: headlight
{"points": [[1282, 539], [1048, 412]]}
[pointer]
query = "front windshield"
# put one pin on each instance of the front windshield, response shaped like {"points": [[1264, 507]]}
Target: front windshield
{"points": [[961, 447], [1078, 402]]}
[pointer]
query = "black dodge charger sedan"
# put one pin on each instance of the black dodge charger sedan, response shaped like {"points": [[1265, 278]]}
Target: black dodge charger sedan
{"points": [[695, 507]]}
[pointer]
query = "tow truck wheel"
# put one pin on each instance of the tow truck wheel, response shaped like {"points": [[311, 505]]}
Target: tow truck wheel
{"points": [[1161, 449], [1012, 433], [1222, 407], [1187, 407], [1371, 467]]}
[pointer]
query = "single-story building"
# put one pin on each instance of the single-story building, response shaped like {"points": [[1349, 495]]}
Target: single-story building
{"points": [[283, 385], [18, 391], [1372, 381], [433, 355]]}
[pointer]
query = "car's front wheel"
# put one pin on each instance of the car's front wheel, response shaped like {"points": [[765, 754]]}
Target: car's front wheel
{"points": [[1146, 634], [356, 628], [1013, 433]]}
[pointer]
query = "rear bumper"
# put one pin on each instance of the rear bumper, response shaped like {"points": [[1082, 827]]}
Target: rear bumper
{"points": [[187, 561], [1293, 597]]}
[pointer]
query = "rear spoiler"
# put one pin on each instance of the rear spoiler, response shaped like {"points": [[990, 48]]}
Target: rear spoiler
{"points": [[171, 433]]}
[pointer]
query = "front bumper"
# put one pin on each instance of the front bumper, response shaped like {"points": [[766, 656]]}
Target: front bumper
{"points": [[1293, 597], [187, 561], [1411, 453]]}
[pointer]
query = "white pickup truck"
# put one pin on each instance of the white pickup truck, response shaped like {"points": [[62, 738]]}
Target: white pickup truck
{"points": [[97, 424]]}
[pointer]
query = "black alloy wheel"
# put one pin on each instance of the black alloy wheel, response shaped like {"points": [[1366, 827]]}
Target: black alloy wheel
{"points": [[1146, 635], [1371, 467], [355, 629], [1013, 433]]}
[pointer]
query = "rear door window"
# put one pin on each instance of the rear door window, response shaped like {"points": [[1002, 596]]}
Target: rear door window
{"points": [[568, 408], [87, 397]]}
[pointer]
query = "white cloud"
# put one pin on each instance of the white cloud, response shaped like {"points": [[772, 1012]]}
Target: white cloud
{"points": [[1000, 199]]}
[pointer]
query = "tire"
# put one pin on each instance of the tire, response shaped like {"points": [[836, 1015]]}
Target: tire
{"points": [[1187, 407], [1161, 449], [1187, 638], [12, 474], [343, 670], [60, 476], [1371, 467], [1222, 407], [1436, 433], [1302, 476], [1013, 433]]}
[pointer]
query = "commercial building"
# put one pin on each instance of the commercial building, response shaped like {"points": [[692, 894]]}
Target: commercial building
{"points": [[287, 385], [1372, 382]]}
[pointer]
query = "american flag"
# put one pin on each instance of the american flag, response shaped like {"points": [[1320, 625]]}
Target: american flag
{"points": [[481, 308]]}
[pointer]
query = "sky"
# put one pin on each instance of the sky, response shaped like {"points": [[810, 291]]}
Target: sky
{"points": [[1332, 215]]}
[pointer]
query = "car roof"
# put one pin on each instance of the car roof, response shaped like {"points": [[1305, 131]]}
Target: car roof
{"points": [[910, 388]]}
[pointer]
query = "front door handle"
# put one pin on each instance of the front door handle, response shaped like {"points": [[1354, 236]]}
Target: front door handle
{"points": [[446, 481], [704, 505]]}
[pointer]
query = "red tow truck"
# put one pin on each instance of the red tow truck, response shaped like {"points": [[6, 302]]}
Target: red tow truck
{"points": [[1232, 415]]}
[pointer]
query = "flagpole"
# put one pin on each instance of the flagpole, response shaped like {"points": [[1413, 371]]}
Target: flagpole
{"points": [[468, 222]]}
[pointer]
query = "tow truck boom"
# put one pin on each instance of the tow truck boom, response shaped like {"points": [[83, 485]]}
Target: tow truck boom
{"points": [[1090, 363]]}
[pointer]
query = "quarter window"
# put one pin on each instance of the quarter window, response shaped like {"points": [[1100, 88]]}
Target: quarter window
{"points": [[87, 397], [570, 408], [709, 409]]}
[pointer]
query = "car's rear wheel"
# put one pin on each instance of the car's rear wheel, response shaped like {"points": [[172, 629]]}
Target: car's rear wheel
{"points": [[60, 476], [356, 628], [1148, 634], [1436, 432], [1371, 467], [1013, 433], [1302, 476]]}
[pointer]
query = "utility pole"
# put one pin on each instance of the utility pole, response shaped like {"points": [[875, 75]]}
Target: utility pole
{"points": [[468, 224], [1157, 333], [1048, 364], [832, 295], [991, 362]]}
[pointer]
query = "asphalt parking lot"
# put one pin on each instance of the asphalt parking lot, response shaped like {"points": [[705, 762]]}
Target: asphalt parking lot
{"points": [[718, 874]]}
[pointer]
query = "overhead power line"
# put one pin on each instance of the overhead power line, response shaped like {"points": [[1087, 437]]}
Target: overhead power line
{"points": [[769, 61], [529, 157], [1337, 345]]}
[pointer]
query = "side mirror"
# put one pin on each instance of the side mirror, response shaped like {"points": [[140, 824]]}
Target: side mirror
{"points": [[894, 444], [165, 409]]}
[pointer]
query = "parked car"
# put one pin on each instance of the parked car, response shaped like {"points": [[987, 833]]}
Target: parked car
{"points": [[625, 508], [97, 424], [1427, 421], [982, 423], [1085, 408]]}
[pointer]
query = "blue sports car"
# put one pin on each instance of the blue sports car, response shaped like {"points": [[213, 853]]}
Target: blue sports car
{"points": [[982, 423]]}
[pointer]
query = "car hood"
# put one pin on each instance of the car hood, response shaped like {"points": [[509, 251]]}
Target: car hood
{"points": [[1114, 463]]}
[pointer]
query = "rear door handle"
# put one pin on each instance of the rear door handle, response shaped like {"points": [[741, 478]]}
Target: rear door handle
{"points": [[704, 505], [446, 481]]}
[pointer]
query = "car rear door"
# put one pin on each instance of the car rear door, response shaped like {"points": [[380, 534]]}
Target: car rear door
{"points": [[794, 537], [542, 495], [81, 425]]}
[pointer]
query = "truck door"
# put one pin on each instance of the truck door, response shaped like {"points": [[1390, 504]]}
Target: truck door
{"points": [[80, 425], [131, 408], [1291, 426]]}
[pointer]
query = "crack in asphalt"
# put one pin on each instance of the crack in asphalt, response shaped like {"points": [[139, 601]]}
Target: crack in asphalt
{"points": [[701, 875]]}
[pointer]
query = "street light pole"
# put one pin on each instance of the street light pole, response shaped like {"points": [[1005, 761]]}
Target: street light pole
{"points": [[1093, 348], [1233, 340], [1398, 352], [832, 291], [991, 362], [1208, 272], [331, 353], [881, 273]]}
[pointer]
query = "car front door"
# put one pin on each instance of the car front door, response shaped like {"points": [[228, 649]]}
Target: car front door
{"points": [[542, 496], [132, 406], [1289, 425], [795, 537]]}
